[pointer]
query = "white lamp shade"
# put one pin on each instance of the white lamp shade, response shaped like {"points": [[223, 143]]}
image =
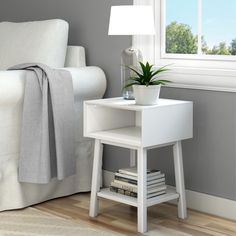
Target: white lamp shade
{"points": [[131, 20]]}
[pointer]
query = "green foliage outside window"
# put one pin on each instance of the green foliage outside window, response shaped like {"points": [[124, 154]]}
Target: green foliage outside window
{"points": [[232, 48], [181, 40], [220, 49]]}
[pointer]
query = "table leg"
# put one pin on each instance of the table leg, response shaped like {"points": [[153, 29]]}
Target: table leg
{"points": [[96, 177], [132, 157], [142, 190], [179, 179]]}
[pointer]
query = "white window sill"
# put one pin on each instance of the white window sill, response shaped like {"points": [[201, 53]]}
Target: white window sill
{"points": [[205, 79]]}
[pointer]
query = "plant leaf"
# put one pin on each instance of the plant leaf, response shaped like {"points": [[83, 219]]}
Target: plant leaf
{"points": [[145, 75], [157, 82], [135, 79], [160, 70], [135, 71]]}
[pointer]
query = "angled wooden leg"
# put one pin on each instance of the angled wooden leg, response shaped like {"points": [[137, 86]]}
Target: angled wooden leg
{"points": [[142, 190], [96, 177], [132, 158], [179, 179]]}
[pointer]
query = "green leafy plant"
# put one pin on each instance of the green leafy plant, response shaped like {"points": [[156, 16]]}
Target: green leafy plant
{"points": [[145, 75]]}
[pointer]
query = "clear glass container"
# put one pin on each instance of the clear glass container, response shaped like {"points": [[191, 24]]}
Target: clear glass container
{"points": [[129, 57]]}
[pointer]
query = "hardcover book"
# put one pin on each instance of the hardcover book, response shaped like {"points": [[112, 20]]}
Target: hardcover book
{"points": [[133, 194], [133, 171], [134, 180], [134, 188], [135, 184]]}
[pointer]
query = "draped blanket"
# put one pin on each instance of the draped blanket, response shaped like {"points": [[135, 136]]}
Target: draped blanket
{"points": [[47, 139]]}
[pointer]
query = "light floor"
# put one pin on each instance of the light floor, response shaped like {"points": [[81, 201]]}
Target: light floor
{"points": [[121, 218]]}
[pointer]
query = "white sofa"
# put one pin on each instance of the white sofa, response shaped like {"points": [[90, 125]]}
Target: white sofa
{"points": [[88, 82]]}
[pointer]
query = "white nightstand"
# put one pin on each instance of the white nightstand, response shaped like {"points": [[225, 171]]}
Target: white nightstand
{"points": [[120, 122]]}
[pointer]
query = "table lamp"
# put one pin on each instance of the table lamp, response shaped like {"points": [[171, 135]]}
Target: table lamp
{"points": [[130, 20]]}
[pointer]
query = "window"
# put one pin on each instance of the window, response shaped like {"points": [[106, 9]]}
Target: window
{"points": [[181, 26], [199, 27], [198, 39]]}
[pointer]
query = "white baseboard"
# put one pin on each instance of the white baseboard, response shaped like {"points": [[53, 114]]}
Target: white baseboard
{"points": [[197, 201]]}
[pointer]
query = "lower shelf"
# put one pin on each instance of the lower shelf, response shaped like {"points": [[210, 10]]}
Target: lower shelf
{"points": [[168, 196]]}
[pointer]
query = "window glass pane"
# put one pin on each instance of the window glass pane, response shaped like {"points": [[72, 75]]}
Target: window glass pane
{"points": [[219, 27], [181, 26]]}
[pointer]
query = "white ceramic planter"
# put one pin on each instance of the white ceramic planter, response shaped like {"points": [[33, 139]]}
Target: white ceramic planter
{"points": [[146, 95]]}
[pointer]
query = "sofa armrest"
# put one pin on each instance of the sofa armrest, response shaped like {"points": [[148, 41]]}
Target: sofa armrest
{"points": [[88, 83], [75, 56], [12, 85]]}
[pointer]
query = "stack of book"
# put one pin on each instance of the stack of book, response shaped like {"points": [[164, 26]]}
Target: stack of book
{"points": [[126, 181]]}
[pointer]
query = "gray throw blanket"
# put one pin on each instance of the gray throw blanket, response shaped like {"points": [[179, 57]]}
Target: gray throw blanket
{"points": [[47, 139]]}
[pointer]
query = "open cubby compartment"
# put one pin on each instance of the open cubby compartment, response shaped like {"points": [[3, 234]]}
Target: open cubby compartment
{"points": [[112, 124], [145, 126]]}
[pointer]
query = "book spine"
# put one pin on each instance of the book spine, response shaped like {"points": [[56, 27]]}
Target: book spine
{"points": [[123, 186], [131, 181], [155, 194], [155, 185], [151, 174], [127, 173], [124, 192], [126, 185], [125, 176], [134, 174], [155, 181], [132, 194], [156, 190], [153, 188], [154, 177], [133, 178]]}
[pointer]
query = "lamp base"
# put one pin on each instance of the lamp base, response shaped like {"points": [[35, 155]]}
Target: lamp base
{"points": [[129, 57]]}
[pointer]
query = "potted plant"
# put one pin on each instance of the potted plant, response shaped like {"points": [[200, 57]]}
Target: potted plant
{"points": [[146, 85]]}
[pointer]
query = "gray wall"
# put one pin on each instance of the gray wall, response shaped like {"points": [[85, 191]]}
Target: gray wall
{"points": [[88, 21], [209, 158]]}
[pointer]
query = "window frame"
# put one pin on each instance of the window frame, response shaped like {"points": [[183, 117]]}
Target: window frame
{"points": [[208, 72], [199, 55]]}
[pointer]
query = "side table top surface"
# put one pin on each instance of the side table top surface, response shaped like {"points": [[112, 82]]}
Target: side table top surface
{"points": [[121, 103]]}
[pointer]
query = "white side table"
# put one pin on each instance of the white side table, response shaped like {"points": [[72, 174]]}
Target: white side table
{"points": [[121, 123]]}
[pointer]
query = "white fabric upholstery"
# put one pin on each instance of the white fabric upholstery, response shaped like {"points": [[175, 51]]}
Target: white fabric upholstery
{"points": [[88, 83], [75, 56], [43, 42], [38, 41]]}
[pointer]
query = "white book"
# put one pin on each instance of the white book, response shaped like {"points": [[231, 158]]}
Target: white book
{"points": [[155, 181], [129, 187], [152, 178], [149, 177], [135, 185], [133, 171], [156, 194], [134, 188], [132, 194], [156, 190], [156, 185]]}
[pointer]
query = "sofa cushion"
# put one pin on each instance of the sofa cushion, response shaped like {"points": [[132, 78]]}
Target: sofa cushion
{"points": [[36, 41]]}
